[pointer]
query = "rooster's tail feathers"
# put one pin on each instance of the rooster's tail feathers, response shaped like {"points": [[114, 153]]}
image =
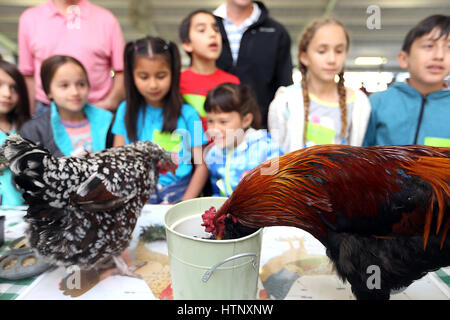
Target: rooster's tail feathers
{"points": [[435, 171]]}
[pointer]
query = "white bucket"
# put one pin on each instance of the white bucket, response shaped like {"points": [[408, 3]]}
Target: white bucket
{"points": [[209, 269]]}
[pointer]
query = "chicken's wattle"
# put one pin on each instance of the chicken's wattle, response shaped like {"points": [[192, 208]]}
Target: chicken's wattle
{"points": [[208, 217], [217, 230]]}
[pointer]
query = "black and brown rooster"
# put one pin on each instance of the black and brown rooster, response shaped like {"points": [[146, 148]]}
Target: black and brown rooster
{"points": [[384, 208], [83, 210]]}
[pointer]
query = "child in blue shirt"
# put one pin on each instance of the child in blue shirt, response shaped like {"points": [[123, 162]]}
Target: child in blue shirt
{"points": [[416, 112], [238, 146], [153, 111]]}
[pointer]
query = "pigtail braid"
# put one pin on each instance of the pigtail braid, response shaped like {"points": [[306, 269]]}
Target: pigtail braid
{"points": [[306, 101], [174, 100], [342, 105]]}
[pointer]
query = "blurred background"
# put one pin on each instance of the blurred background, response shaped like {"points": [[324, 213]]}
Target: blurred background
{"points": [[376, 28]]}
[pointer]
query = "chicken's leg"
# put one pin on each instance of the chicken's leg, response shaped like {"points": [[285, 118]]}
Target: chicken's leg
{"points": [[124, 270]]}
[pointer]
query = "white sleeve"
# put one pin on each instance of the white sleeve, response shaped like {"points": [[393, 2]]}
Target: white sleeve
{"points": [[360, 118], [277, 120]]}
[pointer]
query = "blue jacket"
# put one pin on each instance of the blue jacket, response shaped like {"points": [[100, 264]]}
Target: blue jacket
{"points": [[9, 194], [228, 166], [401, 116], [48, 130]]}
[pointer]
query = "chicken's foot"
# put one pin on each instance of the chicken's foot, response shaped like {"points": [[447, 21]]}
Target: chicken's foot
{"points": [[124, 270]]}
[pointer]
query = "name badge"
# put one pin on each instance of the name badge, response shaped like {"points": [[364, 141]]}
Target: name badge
{"points": [[168, 141], [197, 101], [319, 134], [437, 142]]}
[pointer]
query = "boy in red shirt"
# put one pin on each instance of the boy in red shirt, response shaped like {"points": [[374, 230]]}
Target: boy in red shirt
{"points": [[202, 41]]}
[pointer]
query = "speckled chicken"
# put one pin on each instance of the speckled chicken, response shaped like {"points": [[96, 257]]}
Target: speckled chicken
{"points": [[83, 210]]}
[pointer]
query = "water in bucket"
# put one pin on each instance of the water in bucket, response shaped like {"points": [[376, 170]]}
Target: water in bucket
{"points": [[209, 269], [191, 226]]}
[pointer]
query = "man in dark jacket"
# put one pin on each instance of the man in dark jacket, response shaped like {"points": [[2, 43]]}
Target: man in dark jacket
{"points": [[256, 48]]}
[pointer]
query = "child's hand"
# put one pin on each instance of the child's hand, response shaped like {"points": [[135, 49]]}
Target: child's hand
{"points": [[3, 166], [78, 152]]}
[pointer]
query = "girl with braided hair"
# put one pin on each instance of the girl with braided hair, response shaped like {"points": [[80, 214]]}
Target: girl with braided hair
{"points": [[320, 110]]}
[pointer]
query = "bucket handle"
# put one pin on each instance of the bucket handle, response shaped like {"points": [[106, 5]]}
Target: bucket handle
{"points": [[208, 273]]}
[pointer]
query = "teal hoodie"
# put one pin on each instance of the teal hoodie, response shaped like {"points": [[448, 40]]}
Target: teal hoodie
{"points": [[10, 196], [99, 120], [47, 130], [401, 116]]}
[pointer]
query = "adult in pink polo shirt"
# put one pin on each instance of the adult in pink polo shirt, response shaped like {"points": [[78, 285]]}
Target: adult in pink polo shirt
{"points": [[79, 29]]}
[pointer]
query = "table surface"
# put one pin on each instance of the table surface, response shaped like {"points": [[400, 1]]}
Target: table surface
{"points": [[282, 274]]}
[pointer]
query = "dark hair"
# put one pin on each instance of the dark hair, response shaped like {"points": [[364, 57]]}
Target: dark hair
{"points": [[50, 65], [185, 26], [151, 47], [425, 27], [21, 113], [229, 97]]}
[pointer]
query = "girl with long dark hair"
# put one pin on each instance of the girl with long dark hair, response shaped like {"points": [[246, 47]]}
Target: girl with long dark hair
{"points": [[154, 111]]}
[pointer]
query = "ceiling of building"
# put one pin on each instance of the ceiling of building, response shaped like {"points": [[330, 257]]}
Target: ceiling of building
{"points": [[376, 28]]}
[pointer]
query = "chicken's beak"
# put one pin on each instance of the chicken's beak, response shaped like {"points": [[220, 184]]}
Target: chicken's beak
{"points": [[165, 167]]}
